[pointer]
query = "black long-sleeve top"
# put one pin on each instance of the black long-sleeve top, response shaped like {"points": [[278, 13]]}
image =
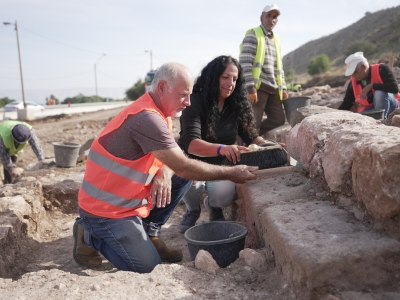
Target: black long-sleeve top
{"points": [[194, 126], [389, 85]]}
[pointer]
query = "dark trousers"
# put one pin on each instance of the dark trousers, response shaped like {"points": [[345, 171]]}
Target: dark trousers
{"points": [[125, 242], [273, 108], [7, 175]]}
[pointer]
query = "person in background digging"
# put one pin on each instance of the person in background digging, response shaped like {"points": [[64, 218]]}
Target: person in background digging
{"points": [[219, 112], [135, 176], [371, 86], [15, 136], [261, 59]]}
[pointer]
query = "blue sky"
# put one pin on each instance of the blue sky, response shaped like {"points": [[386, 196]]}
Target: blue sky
{"points": [[61, 41]]}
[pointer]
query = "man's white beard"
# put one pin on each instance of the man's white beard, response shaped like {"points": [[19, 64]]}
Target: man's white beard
{"points": [[176, 114]]}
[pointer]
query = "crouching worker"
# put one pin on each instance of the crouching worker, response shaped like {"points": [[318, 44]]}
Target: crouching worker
{"points": [[15, 136], [135, 176], [371, 86]]}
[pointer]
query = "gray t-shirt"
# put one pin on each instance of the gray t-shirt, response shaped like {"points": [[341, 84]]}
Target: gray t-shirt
{"points": [[138, 135]]}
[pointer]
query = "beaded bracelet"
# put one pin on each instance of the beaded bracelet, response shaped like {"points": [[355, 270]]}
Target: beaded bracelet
{"points": [[219, 149]]}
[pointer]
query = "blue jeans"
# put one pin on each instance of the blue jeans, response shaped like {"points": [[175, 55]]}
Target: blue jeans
{"points": [[221, 193], [386, 101], [125, 242]]}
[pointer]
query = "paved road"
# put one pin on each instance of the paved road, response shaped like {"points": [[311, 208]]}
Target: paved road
{"points": [[52, 110]]}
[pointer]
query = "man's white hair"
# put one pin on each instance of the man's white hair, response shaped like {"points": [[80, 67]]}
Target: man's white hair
{"points": [[168, 72]]}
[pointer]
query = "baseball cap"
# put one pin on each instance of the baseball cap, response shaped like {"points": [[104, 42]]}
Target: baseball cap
{"points": [[352, 62], [21, 133], [270, 7]]}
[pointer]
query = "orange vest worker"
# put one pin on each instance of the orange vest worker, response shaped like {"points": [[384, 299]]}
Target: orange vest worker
{"points": [[357, 88], [114, 187]]}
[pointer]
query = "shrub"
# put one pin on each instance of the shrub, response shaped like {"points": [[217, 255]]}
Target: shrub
{"points": [[361, 46], [136, 90], [319, 64]]}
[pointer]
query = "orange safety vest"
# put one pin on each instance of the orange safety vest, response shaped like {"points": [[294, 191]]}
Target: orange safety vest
{"points": [[357, 88], [116, 188]]}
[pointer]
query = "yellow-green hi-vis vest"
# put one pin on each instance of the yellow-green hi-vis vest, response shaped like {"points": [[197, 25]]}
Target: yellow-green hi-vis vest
{"points": [[260, 57], [8, 140]]}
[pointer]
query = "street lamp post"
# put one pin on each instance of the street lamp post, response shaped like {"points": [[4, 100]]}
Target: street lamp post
{"points": [[95, 75], [20, 64], [151, 58]]}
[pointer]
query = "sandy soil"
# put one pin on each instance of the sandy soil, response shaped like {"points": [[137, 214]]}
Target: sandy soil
{"points": [[46, 269]]}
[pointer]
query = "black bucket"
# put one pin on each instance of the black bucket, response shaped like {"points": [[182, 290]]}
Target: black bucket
{"points": [[377, 114], [223, 240], [292, 104]]}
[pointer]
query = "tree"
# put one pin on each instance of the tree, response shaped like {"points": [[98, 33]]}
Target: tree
{"points": [[361, 46], [136, 90], [319, 64], [81, 98], [4, 101]]}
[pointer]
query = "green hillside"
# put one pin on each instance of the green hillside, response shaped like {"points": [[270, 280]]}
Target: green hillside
{"points": [[381, 30]]}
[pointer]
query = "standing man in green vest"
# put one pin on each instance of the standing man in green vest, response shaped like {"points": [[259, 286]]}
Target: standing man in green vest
{"points": [[15, 136], [261, 60]]}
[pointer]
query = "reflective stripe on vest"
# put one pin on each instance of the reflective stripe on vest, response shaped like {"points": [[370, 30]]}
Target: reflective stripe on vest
{"points": [[119, 169], [112, 199], [260, 58], [357, 88], [8, 140], [114, 187]]}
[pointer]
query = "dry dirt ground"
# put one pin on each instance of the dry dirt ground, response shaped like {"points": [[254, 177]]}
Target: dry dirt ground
{"points": [[45, 269]]}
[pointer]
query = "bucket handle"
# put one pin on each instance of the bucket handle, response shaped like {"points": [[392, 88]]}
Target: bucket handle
{"points": [[237, 232]]}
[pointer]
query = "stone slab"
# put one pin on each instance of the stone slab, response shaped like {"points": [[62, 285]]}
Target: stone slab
{"points": [[317, 244], [303, 112], [279, 186]]}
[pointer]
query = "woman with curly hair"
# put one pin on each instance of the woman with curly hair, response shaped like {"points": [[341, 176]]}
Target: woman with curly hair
{"points": [[219, 112]]}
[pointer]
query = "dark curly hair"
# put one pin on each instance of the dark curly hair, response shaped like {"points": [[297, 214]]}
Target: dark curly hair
{"points": [[207, 84]]}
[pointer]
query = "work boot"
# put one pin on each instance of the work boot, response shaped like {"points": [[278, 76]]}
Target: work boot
{"points": [[214, 212], [82, 254], [189, 219], [166, 254]]}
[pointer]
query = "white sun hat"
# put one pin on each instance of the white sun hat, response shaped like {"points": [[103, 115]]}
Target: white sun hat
{"points": [[270, 7], [352, 62]]}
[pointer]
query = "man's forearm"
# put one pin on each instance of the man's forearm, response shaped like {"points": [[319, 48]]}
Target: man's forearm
{"points": [[36, 147], [194, 169]]}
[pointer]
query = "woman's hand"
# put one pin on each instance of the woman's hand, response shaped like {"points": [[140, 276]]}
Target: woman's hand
{"points": [[232, 152]]}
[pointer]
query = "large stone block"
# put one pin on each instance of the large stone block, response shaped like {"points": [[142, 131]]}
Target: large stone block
{"points": [[338, 156], [376, 173], [303, 112], [319, 245], [306, 141]]}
